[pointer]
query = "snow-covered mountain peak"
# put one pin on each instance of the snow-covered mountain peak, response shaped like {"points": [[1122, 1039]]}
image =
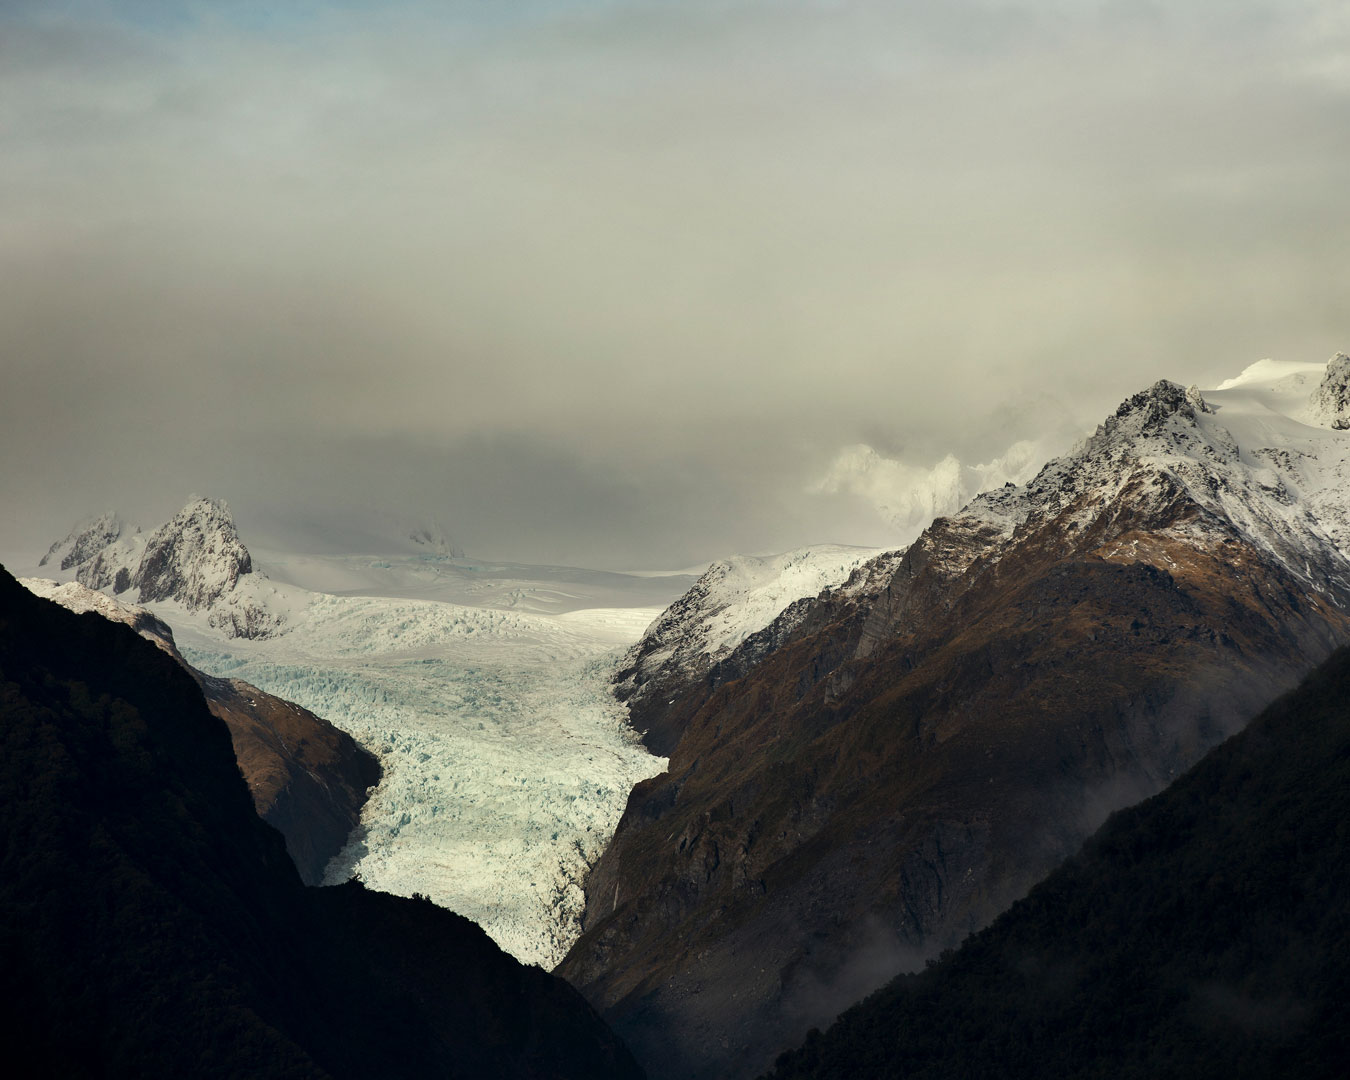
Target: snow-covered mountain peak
{"points": [[1154, 412], [738, 595], [1266, 373], [85, 540], [195, 557], [733, 599], [195, 560], [1261, 458]]}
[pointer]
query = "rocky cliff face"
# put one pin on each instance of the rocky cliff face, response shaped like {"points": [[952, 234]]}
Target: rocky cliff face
{"points": [[195, 557], [896, 766], [1331, 401], [308, 779], [1198, 934], [84, 541]]}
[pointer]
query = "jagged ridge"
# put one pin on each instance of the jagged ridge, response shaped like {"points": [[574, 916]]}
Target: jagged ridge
{"points": [[733, 600], [195, 559]]}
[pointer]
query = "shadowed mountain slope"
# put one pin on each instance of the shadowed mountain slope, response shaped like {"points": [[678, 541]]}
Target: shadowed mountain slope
{"points": [[1204, 933], [308, 778], [152, 925]]}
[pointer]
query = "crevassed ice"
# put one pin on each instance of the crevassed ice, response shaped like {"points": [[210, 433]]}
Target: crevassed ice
{"points": [[507, 761]]}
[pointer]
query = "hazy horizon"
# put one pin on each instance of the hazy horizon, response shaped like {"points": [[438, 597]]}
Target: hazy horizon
{"points": [[636, 284]]}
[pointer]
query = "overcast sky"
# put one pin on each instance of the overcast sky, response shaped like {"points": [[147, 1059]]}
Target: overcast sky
{"points": [[616, 283]]}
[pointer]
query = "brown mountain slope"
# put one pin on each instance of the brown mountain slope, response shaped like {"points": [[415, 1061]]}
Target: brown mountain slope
{"points": [[308, 779], [877, 787]]}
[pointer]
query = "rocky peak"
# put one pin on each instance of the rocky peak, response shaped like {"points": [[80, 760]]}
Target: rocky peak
{"points": [[1331, 400], [434, 538], [1197, 399], [195, 557], [1157, 402], [85, 541], [1149, 410], [732, 602]]}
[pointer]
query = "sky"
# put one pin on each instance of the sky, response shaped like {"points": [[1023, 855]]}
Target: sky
{"points": [[626, 283]]}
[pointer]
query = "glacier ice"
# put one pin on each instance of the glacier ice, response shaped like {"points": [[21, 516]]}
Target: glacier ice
{"points": [[507, 761]]}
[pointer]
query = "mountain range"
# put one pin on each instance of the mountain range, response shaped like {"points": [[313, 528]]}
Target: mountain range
{"points": [[872, 754], [891, 763], [196, 558]]}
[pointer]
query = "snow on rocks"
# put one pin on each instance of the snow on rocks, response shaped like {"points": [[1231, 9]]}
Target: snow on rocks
{"points": [[85, 541], [80, 598], [733, 599], [1263, 454], [195, 559], [1330, 402]]}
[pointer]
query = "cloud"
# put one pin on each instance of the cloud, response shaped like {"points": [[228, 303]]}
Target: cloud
{"points": [[908, 497], [693, 249]]}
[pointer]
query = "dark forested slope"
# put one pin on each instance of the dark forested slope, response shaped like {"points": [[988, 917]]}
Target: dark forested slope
{"points": [[1203, 933], [152, 925]]}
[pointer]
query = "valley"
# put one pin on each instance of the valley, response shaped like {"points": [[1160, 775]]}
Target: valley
{"points": [[864, 755], [506, 761], [690, 541]]}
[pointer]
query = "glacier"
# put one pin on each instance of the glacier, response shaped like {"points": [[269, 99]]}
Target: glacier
{"points": [[507, 761], [485, 689]]}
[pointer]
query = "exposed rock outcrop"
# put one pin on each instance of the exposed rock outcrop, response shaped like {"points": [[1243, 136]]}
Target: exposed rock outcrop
{"points": [[85, 541], [1331, 400], [195, 557]]}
